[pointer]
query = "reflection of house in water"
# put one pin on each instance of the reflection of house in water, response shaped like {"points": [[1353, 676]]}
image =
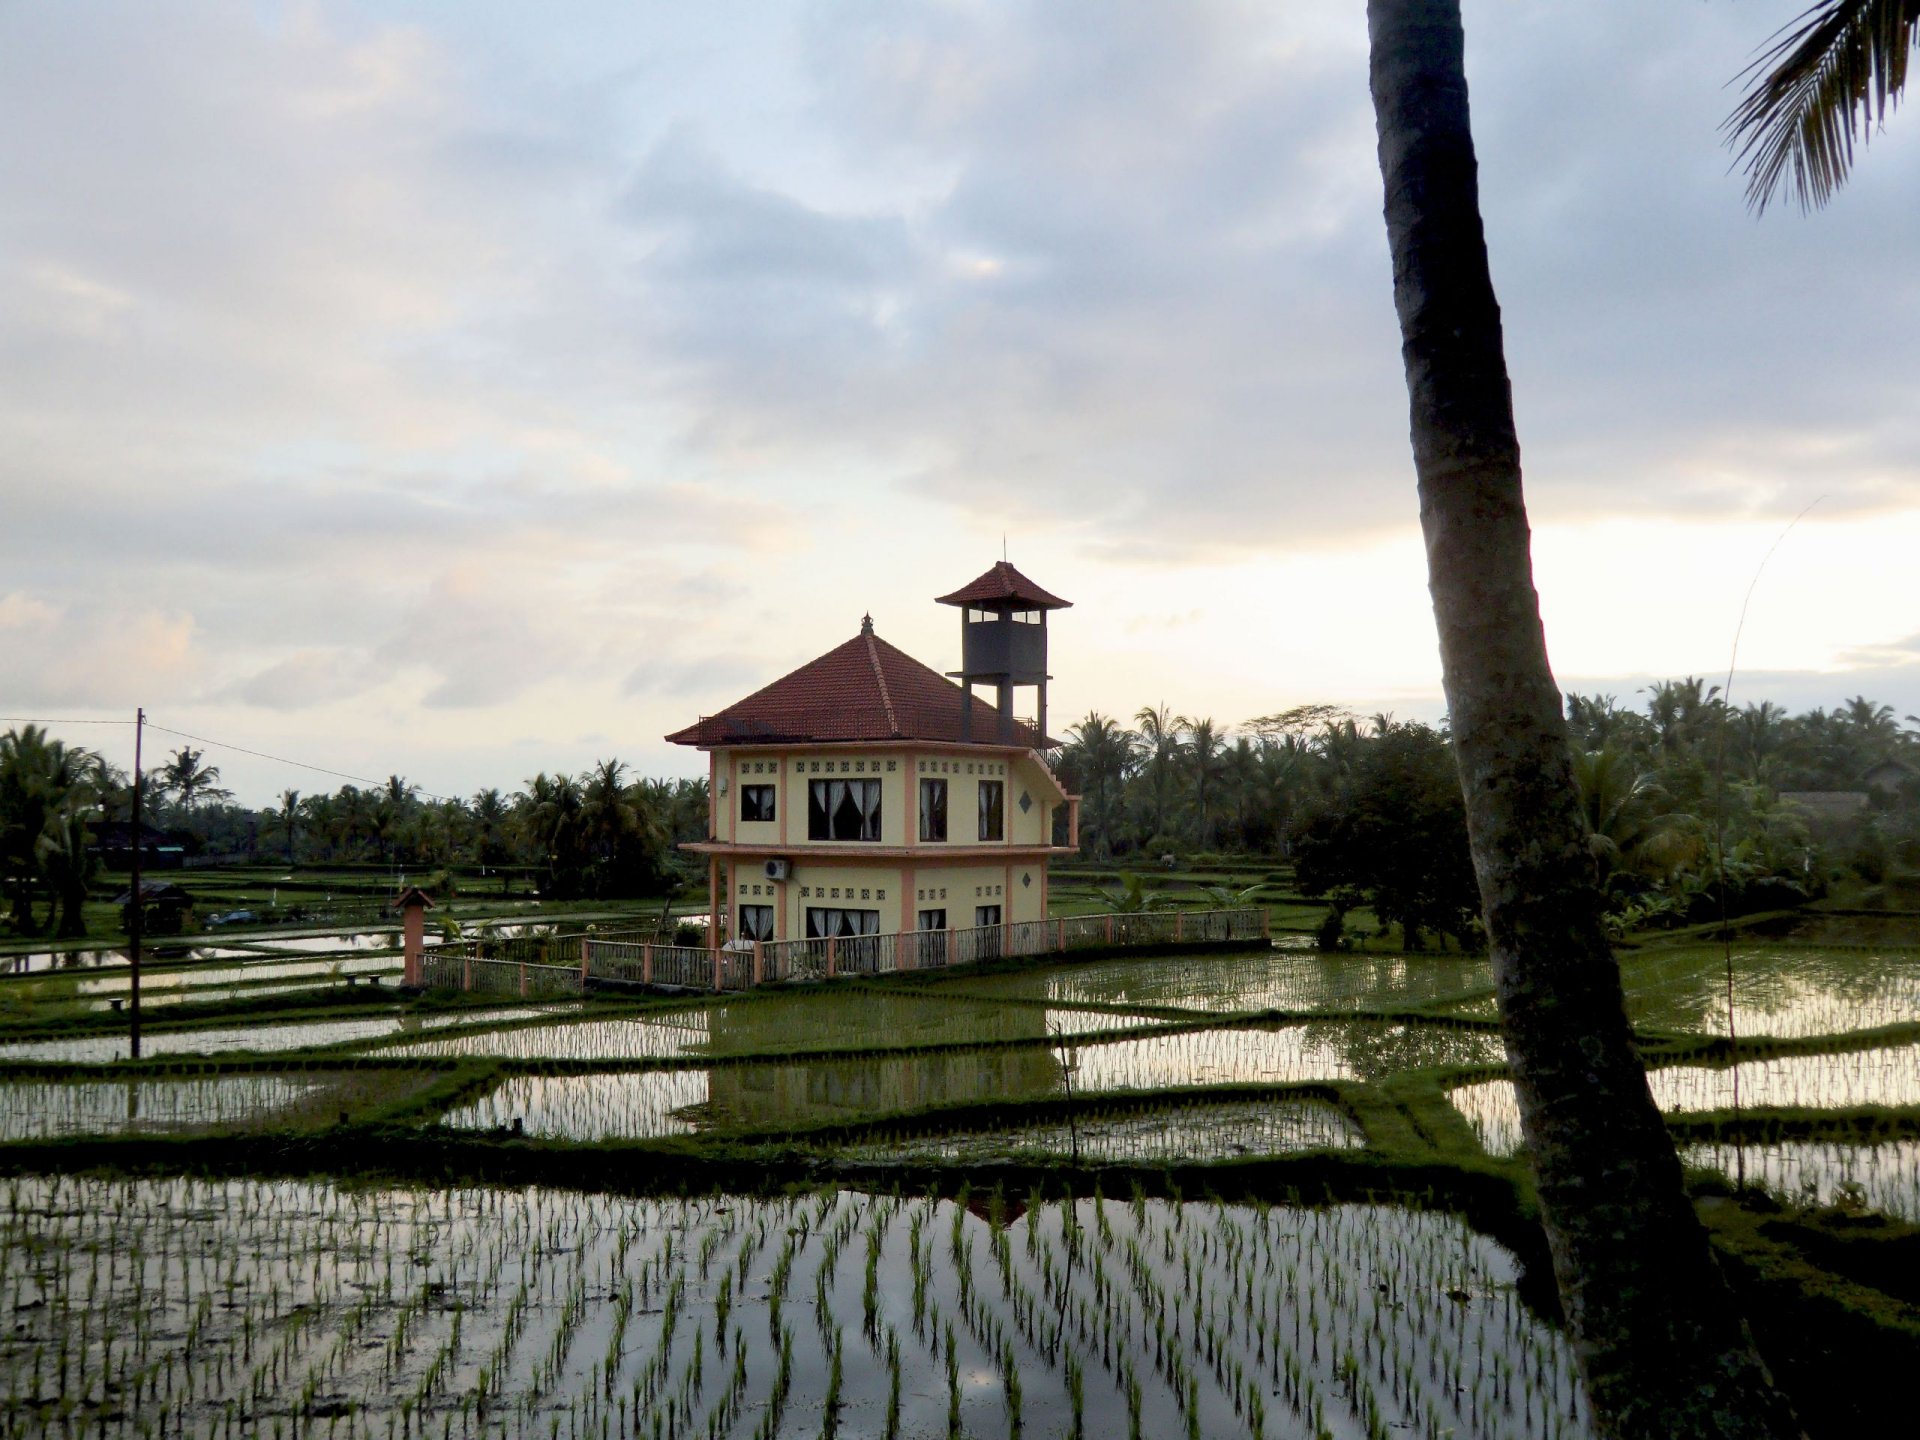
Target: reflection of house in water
{"points": [[760, 1096]]}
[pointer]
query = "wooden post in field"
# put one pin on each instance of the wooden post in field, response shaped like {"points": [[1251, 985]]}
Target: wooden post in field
{"points": [[646, 964], [413, 905]]}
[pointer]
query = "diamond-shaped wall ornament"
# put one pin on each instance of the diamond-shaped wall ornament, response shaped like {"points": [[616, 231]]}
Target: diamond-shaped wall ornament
{"points": [[1026, 879], [1026, 802]]}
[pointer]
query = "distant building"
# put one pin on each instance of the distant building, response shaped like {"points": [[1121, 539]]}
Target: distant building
{"points": [[865, 793], [164, 907], [1889, 777]]}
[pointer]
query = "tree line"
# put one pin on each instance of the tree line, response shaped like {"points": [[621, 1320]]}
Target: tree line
{"points": [[601, 834], [1677, 794]]}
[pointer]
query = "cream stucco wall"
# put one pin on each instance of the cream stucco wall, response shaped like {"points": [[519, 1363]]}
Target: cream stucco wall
{"points": [[835, 874]]}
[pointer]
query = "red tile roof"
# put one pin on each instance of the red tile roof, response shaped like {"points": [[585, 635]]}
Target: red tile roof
{"points": [[1003, 582], [865, 689]]}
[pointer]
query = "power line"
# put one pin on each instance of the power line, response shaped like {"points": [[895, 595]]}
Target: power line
{"points": [[37, 720], [279, 759]]}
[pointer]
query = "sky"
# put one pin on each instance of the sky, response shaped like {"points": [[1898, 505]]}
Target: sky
{"points": [[465, 390]]}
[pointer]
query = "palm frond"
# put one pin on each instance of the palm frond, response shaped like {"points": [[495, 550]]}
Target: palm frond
{"points": [[1824, 80]]}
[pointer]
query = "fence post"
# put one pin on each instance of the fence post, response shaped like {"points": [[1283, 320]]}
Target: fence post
{"points": [[646, 964], [953, 944], [758, 971], [1266, 923], [1179, 924], [466, 972], [833, 957], [718, 961], [586, 951], [1109, 927], [523, 979]]}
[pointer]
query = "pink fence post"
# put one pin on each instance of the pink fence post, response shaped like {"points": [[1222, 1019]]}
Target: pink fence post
{"points": [[646, 964], [1266, 923], [833, 957], [907, 950], [1109, 929], [466, 972], [718, 960], [586, 952], [1179, 924], [757, 971], [953, 945]]}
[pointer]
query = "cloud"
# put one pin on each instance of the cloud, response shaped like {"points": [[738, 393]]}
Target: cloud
{"points": [[85, 655]]}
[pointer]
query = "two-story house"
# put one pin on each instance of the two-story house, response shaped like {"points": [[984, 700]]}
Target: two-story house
{"points": [[865, 793]]}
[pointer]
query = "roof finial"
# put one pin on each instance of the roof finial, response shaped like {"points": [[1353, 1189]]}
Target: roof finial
{"points": [[866, 624]]}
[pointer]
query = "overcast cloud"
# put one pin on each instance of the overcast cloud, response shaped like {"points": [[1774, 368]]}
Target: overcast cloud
{"points": [[416, 385]]}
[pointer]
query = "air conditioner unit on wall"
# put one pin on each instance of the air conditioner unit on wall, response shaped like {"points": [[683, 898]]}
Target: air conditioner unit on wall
{"points": [[779, 869]]}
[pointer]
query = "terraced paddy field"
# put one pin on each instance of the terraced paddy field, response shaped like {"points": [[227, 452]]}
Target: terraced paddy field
{"points": [[904, 1238], [474, 1311]]}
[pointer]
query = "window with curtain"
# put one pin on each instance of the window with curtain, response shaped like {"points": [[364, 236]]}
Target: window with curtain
{"points": [[993, 805], [756, 802], [986, 915], [933, 919], [824, 923], [755, 923], [843, 809], [933, 809]]}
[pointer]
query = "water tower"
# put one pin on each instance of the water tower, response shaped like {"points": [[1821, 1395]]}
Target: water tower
{"points": [[1003, 643]]}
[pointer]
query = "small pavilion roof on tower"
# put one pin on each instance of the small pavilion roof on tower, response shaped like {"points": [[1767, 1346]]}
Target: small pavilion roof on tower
{"points": [[1003, 584]]}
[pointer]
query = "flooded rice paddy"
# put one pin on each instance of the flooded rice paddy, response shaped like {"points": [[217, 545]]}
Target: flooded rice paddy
{"points": [[774, 1096], [1882, 1177], [1889, 1075], [216, 1308], [1269, 979], [1169, 1135], [56, 1109], [1779, 991], [98, 1049], [775, 1024]]}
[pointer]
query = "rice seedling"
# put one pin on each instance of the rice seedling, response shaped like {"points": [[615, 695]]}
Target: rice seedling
{"points": [[1883, 1176], [1887, 1075], [214, 1308]]}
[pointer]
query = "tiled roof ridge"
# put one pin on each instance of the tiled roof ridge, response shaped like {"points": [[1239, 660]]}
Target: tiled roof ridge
{"points": [[880, 678]]}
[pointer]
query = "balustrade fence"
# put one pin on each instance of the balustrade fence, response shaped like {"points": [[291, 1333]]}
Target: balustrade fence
{"points": [[565, 963]]}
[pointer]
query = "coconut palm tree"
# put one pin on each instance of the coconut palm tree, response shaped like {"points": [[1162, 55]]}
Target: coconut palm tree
{"points": [[1160, 752], [1098, 758], [1657, 1337], [189, 782], [1825, 80], [1203, 748], [287, 818], [48, 793]]}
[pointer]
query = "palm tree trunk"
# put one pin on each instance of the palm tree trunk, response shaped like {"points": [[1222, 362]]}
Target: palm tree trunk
{"points": [[1660, 1344]]}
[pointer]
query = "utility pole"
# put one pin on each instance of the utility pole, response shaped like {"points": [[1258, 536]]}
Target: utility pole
{"points": [[133, 929]]}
